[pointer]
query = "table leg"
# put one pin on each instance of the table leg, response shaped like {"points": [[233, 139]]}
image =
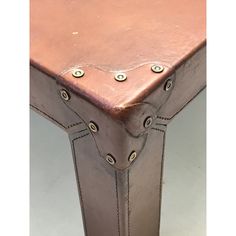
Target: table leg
{"points": [[119, 202]]}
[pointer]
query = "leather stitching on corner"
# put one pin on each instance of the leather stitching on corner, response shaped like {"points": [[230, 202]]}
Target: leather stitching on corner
{"points": [[75, 124], [163, 131]]}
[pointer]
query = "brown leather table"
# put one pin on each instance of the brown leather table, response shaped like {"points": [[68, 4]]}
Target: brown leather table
{"points": [[113, 74]]}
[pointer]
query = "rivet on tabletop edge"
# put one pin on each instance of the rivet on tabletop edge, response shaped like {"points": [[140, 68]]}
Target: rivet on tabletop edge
{"points": [[157, 68], [78, 73], [93, 127], [110, 159], [64, 95], [132, 156], [147, 122], [120, 77]]}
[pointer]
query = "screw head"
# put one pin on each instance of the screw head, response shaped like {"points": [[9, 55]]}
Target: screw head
{"points": [[64, 95], [132, 156], [120, 77], [110, 159], [78, 73], [157, 68], [93, 127], [168, 85], [148, 121]]}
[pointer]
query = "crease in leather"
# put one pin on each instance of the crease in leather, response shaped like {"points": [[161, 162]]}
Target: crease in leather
{"points": [[153, 106], [155, 117]]}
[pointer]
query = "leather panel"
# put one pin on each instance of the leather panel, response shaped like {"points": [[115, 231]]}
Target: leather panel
{"points": [[105, 37], [145, 187], [97, 186], [190, 80]]}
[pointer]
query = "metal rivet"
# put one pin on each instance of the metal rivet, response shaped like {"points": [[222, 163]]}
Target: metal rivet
{"points": [[157, 68], [93, 127], [110, 159], [78, 73], [168, 85], [132, 156], [120, 77], [64, 95], [147, 122]]}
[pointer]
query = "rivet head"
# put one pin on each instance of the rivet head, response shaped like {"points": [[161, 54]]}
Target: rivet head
{"points": [[157, 68], [110, 159], [148, 121], [93, 127], [120, 77], [168, 85], [64, 95], [132, 156], [78, 73]]}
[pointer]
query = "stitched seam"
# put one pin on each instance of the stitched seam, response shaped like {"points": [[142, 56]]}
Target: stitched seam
{"points": [[128, 205], [117, 200], [48, 116], [163, 118], [81, 131], [79, 186], [81, 136], [75, 124], [159, 130]]}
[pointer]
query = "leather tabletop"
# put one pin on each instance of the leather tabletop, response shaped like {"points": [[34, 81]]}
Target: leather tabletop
{"points": [[103, 37]]}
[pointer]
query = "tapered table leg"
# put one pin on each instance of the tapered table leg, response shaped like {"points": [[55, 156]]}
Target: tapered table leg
{"points": [[119, 202]]}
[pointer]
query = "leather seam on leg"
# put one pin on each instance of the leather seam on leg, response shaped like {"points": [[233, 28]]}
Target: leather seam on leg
{"points": [[79, 185], [128, 205], [117, 201], [82, 136]]}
